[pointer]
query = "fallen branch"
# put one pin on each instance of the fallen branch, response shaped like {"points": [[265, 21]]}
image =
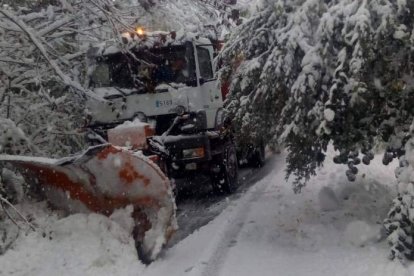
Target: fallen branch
{"points": [[5, 201], [8, 214]]}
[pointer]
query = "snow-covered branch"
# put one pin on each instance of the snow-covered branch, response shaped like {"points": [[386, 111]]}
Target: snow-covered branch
{"points": [[34, 37], [3, 202]]}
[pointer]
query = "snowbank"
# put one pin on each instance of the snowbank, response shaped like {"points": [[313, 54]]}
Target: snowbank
{"points": [[360, 233], [80, 244]]}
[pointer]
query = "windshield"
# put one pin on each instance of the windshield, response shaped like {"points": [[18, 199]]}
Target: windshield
{"points": [[145, 69]]}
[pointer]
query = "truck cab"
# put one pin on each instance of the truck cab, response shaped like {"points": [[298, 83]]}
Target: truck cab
{"points": [[155, 84]]}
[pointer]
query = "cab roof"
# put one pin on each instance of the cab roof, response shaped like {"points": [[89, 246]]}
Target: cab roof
{"points": [[148, 40]]}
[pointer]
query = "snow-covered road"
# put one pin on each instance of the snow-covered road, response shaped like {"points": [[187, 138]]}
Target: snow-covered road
{"points": [[197, 205], [332, 228]]}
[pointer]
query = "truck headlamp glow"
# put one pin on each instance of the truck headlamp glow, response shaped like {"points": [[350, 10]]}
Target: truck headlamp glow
{"points": [[193, 153], [140, 31]]}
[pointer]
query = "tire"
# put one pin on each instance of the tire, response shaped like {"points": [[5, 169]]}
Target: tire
{"points": [[258, 159], [226, 179]]}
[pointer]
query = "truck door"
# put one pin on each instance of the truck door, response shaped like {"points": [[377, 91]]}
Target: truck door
{"points": [[210, 93]]}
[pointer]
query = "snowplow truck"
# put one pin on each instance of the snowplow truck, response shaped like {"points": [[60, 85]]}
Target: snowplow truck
{"points": [[168, 83], [157, 116]]}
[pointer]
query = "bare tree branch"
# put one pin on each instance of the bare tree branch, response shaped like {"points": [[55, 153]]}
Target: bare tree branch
{"points": [[5, 201], [31, 33]]}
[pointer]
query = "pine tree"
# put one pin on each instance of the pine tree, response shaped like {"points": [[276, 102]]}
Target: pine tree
{"points": [[313, 72]]}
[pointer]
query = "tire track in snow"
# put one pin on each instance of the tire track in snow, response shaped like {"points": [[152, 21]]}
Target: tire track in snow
{"points": [[228, 236], [197, 205]]}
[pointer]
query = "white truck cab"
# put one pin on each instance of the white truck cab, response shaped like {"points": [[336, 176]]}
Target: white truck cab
{"points": [[151, 82]]}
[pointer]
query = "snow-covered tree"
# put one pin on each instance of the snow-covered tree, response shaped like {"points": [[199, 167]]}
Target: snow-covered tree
{"points": [[41, 63], [307, 73], [41, 70]]}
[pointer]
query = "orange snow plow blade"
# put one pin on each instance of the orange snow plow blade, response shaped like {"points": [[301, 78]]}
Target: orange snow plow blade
{"points": [[106, 178]]}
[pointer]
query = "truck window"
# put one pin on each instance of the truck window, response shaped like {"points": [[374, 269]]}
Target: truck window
{"points": [[204, 60], [100, 76], [149, 68], [114, 70]]}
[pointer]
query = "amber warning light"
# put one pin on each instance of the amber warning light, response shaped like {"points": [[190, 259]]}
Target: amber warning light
{"points": [[140, 31]]}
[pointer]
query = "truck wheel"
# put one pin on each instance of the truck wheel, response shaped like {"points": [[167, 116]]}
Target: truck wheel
{"points": [[257, 159], [226, 179]]}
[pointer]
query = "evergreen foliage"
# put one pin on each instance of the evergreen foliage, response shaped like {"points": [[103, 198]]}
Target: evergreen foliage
{"points": [[326, 71], [314, 72]]}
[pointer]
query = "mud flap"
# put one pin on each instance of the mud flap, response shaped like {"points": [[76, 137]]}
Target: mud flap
{"points": [[106, 178]]}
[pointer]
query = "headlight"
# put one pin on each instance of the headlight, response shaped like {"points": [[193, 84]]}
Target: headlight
{"points": [[180, 110], [193, 153]]}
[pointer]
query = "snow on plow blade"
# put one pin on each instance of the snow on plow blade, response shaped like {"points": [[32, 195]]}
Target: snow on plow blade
{"points": [[106, 178]]}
